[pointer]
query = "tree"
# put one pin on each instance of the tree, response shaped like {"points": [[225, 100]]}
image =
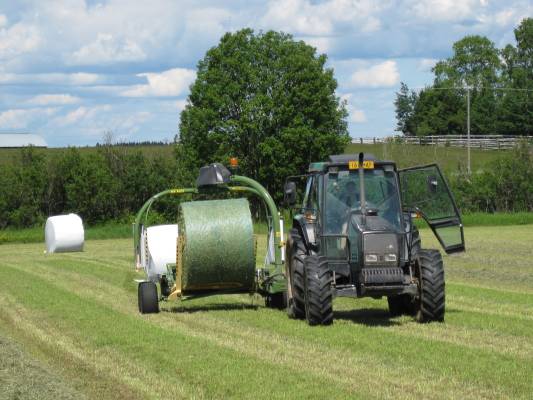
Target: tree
{"points": [[405, 107], [501, 90], [474, 63], [515, 115], [266, 99]]}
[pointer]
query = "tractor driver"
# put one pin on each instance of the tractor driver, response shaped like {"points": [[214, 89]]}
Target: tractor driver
{"points": [[351, 195]]}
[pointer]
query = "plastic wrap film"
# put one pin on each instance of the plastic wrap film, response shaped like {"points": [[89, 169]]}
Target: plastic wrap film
{"points": [[216, 250], [64, 233]]}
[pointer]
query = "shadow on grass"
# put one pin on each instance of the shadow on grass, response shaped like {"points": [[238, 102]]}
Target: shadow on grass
{"points": [[366, 316], [210, 307]]}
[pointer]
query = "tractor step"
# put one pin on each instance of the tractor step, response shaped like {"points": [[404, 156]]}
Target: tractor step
{"points": [[381, 275]]}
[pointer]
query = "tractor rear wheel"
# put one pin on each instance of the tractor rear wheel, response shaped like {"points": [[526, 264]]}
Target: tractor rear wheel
{"points": [[430, 304], [148, 303], [318, 293], [295, 279]]}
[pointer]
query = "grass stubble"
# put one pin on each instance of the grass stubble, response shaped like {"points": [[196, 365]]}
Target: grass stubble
{"points": [[69, 328]]}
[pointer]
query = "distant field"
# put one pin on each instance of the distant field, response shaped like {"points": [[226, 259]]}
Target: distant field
{"points": [[450, 158], [8, 155], [69, 328]]}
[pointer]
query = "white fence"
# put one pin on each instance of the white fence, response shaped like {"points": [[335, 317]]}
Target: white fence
{"points": [[484, 142]]}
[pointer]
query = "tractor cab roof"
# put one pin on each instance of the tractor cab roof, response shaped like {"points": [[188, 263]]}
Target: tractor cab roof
{"points": [[344, 160]]}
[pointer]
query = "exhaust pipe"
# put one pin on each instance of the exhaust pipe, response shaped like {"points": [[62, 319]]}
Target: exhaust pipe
{"points": [[362, 199]]}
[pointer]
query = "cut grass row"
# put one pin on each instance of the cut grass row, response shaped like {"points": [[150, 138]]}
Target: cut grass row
{"points": [[77, 313]]}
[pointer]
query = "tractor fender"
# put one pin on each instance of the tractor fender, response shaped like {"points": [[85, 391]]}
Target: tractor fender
{"points": [[302, 227]]}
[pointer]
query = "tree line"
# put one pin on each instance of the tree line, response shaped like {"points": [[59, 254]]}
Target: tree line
{"points": [[108, 184], [501, 90], [112, 184]]}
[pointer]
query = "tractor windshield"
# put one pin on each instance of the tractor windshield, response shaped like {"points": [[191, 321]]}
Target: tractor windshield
{"points": [[343, 197]]}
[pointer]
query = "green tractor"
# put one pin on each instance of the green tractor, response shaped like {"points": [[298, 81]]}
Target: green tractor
{"points": [[354, 236]]}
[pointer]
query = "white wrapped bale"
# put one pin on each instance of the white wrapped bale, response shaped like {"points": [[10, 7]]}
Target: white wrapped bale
{"points": [[159, 242], [64, 233]]}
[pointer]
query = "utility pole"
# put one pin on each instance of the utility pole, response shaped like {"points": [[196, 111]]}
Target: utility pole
{"points": [[469, 168]]}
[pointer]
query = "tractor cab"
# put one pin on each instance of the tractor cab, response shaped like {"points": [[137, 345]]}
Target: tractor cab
{"points": [[354, 232]]}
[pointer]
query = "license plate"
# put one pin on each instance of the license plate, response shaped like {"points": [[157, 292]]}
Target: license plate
{"points": [[368, 164]]}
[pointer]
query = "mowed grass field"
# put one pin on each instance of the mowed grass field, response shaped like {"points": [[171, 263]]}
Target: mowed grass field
{"points": [[69, 328]]}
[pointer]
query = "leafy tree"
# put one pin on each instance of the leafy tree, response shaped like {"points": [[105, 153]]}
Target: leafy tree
{"points": [[405, 106], [474, 63], [515, 115], [438, 112], [266, 99], [501, 95]]}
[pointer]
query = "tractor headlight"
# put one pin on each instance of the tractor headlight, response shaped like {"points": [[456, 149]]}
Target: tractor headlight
{"points": [[391, 257], [371, 258]]}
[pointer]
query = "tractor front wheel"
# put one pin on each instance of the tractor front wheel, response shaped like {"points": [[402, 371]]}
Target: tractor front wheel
{"points": [[148, 303], [295, 278], [318, 292], [429, 305]]}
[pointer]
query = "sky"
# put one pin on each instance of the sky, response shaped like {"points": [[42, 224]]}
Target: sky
{"points": [[72, 70]]}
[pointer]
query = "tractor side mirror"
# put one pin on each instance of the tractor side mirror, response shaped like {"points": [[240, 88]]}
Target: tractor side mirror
{"points": [[432, 184], [289, 194]]}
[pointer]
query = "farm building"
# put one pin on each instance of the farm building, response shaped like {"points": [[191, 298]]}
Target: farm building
{"points": [[14, 140]]}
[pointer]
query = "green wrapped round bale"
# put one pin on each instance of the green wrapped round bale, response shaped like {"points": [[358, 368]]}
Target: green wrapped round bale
{"points": [[215, 247]]}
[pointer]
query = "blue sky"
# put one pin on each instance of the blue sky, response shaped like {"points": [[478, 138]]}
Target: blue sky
{"points": [[71, 70]]}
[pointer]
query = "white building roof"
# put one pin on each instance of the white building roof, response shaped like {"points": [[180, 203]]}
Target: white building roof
{"points": [[21, 140]]}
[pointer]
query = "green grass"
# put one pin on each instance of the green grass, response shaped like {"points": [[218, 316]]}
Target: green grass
{"points": [[497, 219], [450, 159], [111, 230], [77, 315], [116, 230]]}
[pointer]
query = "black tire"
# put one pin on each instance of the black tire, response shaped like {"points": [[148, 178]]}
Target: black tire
{"points": [[416, 243], [318, 292], [430, 304], [276, 300], [295, 293], [148, 302]]}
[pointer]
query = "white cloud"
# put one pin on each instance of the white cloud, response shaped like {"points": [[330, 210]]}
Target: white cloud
{"points": [[17, 39], [425, 64], [22, 118], [53, 99], [297, 16], [81, 114], [384, 74], [133, 122], [304, 17], [322, 44], [74, 79], [445, 10], [172, 82], [3, 20], [355, 114], [107, 49]]}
